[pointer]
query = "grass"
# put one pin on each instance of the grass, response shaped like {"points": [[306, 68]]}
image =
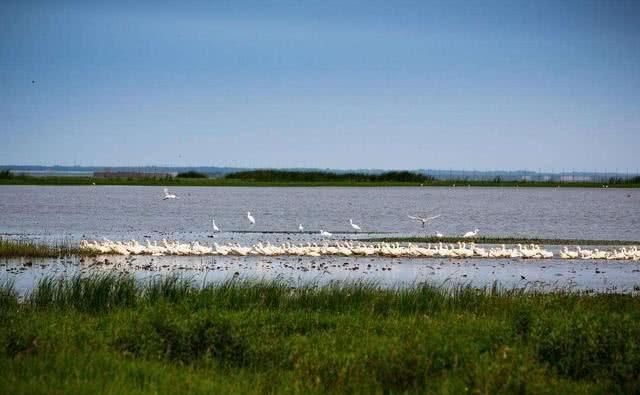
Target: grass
{"points": [[111, 334], [502, 240], [30, 249], [234, 182]]}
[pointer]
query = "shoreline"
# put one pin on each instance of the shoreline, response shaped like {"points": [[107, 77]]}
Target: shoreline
{"points": [[222, 182]]}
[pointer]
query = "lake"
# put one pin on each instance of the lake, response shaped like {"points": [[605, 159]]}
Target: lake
{"points": [[54, 213]]}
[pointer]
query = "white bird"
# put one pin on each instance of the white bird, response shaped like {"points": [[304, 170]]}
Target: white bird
{"points": [[168, 195], [301, 228], [438, 234], [250, 218], [215, 227], [354, 226], [423, 220], [325, 233], [471, 234]]}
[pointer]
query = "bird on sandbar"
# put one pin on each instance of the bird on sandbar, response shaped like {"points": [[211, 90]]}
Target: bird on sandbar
{"points": [[470, 234], [215, 227]]}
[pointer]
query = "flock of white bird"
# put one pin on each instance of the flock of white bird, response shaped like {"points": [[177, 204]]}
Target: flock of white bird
{"points": [[348, 248], [424, 221]]}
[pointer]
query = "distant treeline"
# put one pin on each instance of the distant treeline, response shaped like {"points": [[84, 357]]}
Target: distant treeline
{"points": [[620, 180], [192, 174], [318, 176]]}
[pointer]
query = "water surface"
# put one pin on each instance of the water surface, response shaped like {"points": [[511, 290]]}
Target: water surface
{"points": [[125, 212]]}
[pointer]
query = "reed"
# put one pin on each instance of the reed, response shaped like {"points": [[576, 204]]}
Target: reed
{"points": [[10, 248]]}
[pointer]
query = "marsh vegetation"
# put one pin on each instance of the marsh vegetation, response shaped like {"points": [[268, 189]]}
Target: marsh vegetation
{"points": [[302, 178], [10, 248], [113, 334]]}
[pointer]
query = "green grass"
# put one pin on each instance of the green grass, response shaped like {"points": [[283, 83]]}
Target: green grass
{"points": [[30, 249], [111, 334], [502, 240], [233, 182]]}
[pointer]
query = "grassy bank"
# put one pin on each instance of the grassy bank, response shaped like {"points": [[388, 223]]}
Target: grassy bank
{"points": [[503, 240], [31, 249], [248, 182], [113, 335]]}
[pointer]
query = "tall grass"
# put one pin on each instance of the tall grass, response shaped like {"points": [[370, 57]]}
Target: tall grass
{"points": [[26, 248], [100, 292], [8, 294], [113, 334]]}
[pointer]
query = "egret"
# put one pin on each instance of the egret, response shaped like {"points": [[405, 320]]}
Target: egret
{"points": [[438, 234], [301, 228], [471, 234], [354, 226], [215, 227], [423, 220], [168, 195], [250, 218], [325, 233]]}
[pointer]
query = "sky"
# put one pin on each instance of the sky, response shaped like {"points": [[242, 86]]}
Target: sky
{"points": [[479, 85]]}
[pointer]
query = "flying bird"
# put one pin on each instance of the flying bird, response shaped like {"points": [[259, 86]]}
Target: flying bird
{"points": [[423, 220], [168, 195]]}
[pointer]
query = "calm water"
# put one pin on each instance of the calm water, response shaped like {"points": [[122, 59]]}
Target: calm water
{"points": [[124, 212]]}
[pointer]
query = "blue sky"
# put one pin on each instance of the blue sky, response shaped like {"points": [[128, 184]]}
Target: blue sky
{"points": [[371, 84]]}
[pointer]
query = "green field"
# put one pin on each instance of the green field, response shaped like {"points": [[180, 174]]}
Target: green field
{"points": [[113, 335]]}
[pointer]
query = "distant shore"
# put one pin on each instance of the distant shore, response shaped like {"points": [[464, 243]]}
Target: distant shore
{"points": [[230, 182]]}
